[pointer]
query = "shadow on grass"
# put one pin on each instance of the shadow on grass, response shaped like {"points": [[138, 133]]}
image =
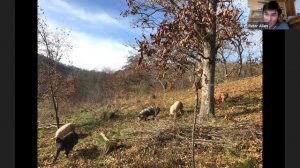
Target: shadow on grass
{"points": [[244, 112], [242, 100], [88, 153]]}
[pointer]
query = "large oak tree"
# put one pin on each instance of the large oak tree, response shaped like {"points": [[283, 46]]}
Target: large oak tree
{"points": [[187, 33]]}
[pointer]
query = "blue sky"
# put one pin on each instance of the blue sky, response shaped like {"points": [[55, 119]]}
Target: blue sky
{"points": [[98, 32]]}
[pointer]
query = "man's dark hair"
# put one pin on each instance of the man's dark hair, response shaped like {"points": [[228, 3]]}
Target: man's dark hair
{"points": [[272, 5]]}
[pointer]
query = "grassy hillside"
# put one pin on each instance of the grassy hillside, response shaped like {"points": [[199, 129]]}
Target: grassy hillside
{"points": [[232, 140]]}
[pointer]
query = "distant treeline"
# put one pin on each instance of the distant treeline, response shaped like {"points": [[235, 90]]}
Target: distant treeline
{"points": [[106, 85]]}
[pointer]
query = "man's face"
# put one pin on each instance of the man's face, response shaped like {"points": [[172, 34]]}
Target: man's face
{"points": [[271, 16]]}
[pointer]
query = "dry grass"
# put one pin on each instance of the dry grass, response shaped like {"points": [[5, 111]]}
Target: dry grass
{"points": [[220, 142]]}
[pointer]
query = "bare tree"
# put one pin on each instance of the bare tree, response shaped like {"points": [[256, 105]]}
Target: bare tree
{"points": [[239, 43], [224, 52], [52, 83]]}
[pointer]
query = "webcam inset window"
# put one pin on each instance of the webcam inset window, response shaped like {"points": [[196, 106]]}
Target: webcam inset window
{"points": [[277, 15]]}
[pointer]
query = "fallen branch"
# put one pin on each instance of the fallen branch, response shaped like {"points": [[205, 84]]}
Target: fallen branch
{"points": [[110, 145], [104, 137]]}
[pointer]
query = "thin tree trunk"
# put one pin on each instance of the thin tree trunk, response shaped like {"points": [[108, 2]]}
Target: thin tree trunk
{"points": [[193, 131], [240, 60], [224, 62], [164, 86], [226, 70], [250, 64], [55, 104]]}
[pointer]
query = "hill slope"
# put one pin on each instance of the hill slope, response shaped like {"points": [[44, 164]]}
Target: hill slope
{"points": [[232, 139]]}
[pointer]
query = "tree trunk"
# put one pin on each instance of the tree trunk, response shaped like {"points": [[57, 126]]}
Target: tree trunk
{"points": [[225, 69], [240, 60], [209, 63], [55, 104], [207, 98], [56, 111], [193, 131], [250, 64], [224, 62], [164, 86]]}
